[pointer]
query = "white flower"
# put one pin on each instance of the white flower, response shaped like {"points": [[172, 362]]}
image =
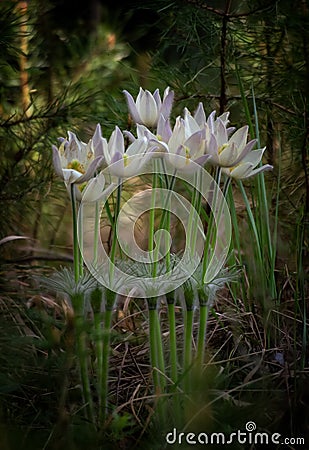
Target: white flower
{"points": [[247, 166], [225, 151], [233, 154], [183, 147], [76, 162], [125, 163], [158, 141], [199, 120], [186, 146], [94, 190], [148, 108]]}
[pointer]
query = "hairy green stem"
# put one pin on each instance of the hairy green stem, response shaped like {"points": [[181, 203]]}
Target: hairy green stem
{"points": [[172, 341], [82, 354], [99, 346], [114, 238], [211, 233], [152, 210], [96, 233], [201, 338], [173, 355], [235, 247], [80, 240], [105, 365], [160, 352], [187, 360], [155, 358], [76, 257]]}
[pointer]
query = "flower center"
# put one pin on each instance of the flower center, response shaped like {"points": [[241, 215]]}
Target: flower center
{"points": [[76, 165]]}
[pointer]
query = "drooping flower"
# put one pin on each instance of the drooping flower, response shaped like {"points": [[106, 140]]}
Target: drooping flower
{"points": [[125, 163], [148, 108], [75, 161]]}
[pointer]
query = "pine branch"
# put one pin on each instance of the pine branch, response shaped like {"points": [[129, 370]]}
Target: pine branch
{"points": [[225, 13]]}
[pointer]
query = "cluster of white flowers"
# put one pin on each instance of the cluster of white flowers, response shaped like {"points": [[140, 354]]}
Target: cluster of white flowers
{"points": [[194, 139]]}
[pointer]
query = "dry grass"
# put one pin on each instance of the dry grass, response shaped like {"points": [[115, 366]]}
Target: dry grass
{"points": [[243, 366]]}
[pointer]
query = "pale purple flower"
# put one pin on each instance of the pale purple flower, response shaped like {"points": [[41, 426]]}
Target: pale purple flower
{"points": [[186, 146], [75, 161], [247, 166], [227, 151], [147, 108], [94, 190], [125, 163]]}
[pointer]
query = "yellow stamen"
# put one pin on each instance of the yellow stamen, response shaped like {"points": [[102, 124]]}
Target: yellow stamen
{"points": [[188, 156], [220, 150], [82, 186], [125, 160], [76, 165]]}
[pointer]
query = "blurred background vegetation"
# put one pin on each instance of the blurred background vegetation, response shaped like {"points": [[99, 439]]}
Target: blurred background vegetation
{"points": [[63, 65]]}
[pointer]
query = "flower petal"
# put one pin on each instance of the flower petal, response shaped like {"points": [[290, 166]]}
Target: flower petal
{"points": [[143, 132], [148, 110], [73, 150], [132, 107], [116, 142], [93, 166], [164, 130], [200, 115], [97, 141], [212, 149], [211, 120], [57, 162], [201, 160], [106, 153], [166, 108], [264, 168], [246, 150], [157, 99], [228, 156], [254, 157], [241, 171], [129, 135], [95, 191], [191, 126], [178, 135], [221, 133], [94, 188], [240, 137], [178, 158], [194, 143], [225, 118], [137, 147], [71, 176]]}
